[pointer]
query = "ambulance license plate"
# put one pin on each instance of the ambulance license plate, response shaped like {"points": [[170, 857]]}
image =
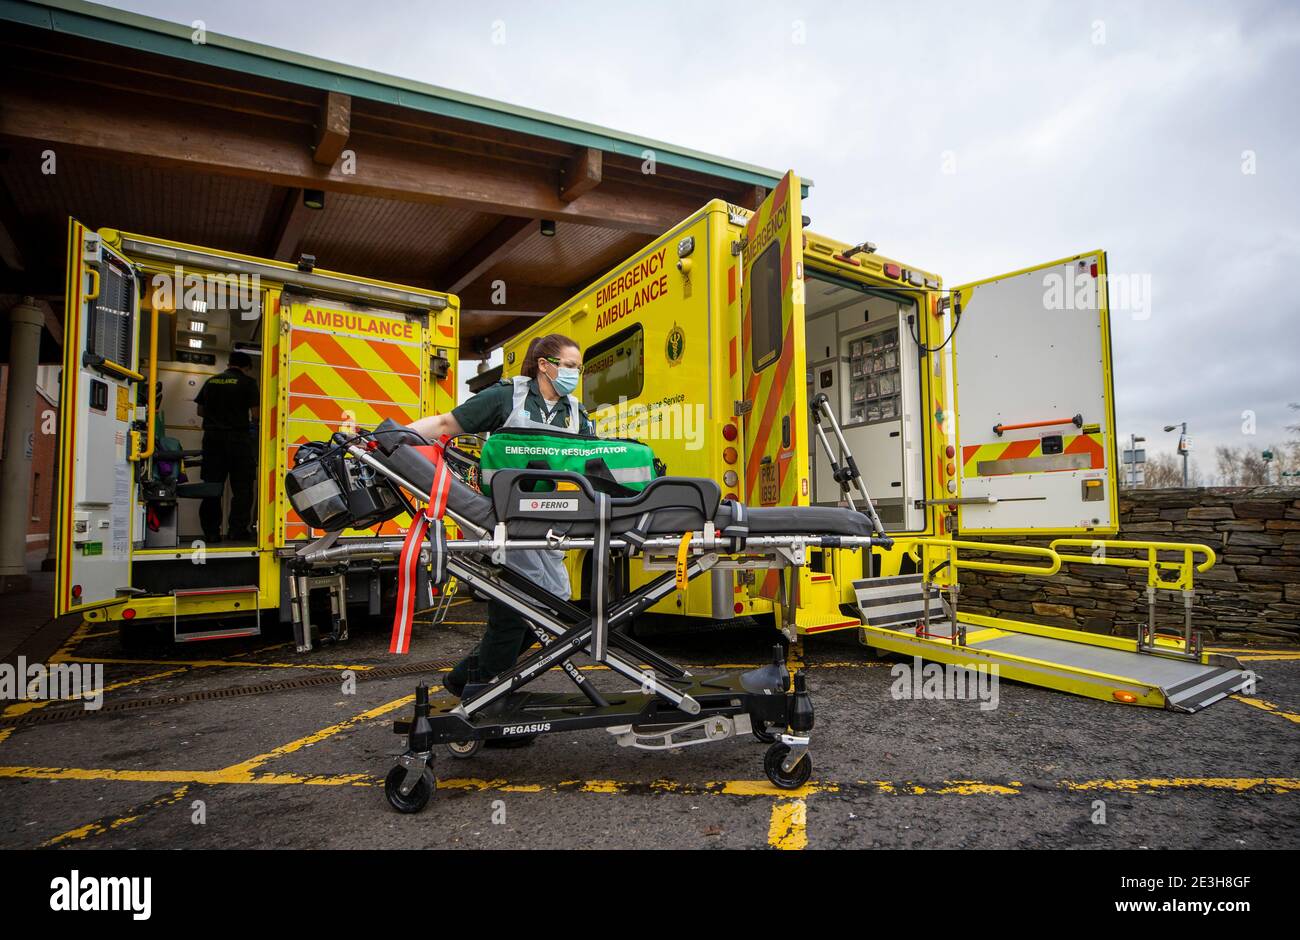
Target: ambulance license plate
{"points": [[769, 484]]}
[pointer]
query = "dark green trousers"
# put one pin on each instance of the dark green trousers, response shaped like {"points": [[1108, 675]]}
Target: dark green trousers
{"points": [[504, 639]]}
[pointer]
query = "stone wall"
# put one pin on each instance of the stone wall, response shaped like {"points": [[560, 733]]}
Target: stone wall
{"points": [[1253, 589]]}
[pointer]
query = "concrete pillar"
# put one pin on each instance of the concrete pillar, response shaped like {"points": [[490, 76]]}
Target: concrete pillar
{"points": [[25, 322]]}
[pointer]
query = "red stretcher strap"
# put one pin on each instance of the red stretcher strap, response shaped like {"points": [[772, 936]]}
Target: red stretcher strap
{"points": [[409, 560]]}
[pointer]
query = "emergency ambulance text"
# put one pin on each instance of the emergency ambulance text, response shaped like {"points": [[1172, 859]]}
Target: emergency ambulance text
{"points": [[646, 276]]}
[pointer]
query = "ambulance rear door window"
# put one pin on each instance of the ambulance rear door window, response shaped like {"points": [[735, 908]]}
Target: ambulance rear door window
{"points": [[765, 324], [613, 370]]}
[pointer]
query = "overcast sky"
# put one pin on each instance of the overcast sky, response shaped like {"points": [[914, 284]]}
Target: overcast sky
{"points": [[968, 139]]}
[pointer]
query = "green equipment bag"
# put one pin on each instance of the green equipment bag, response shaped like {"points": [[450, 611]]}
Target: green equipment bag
{"points": [[615, 466]]}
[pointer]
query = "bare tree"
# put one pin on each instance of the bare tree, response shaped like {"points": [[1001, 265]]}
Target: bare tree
{"points": [[1163, 471], [1227, 464]]}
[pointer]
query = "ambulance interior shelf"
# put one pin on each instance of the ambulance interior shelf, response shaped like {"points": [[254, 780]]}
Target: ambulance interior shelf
{"points": [[863, 359]]}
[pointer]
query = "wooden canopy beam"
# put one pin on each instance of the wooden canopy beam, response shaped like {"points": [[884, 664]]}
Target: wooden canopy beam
{"points": [[333, 130], [287, 227], [484, 254], [255, 148], [581, 174]]}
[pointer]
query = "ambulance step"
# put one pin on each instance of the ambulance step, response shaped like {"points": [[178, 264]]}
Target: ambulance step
{"points": [[824, 623], [896, 603], [192, 603]]}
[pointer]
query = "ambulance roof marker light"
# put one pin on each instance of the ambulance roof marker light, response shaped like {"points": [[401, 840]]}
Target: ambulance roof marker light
{"points": [[893, 270]]}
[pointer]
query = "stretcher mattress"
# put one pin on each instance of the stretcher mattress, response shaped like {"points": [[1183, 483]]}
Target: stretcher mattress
{"points": [[667, 506]]}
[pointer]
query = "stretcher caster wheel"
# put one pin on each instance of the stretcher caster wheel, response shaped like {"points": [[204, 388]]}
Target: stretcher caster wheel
{"points": [[791, 780], [464, 750], [414, 801]]}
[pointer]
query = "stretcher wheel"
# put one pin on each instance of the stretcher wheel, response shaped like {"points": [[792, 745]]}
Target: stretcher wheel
{"points": [[414, 801], [464, 750], [786, 781]]}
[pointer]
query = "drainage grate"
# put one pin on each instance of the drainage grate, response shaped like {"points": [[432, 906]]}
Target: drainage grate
{"points": [[50, 716]]}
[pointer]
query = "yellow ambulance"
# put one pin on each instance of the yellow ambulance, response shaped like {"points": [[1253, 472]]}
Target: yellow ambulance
{"points": [[147, 322], [981, 410]]}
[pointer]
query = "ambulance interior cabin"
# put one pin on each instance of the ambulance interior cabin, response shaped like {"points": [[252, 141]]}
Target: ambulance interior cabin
{"points": [[862, 355], [194, 342]]}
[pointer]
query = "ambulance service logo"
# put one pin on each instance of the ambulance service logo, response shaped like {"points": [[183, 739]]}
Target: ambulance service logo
{"points": [[675, 347]]}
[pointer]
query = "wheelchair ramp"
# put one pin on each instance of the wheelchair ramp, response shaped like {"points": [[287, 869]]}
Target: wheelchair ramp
{"points": [[1101, 667]]}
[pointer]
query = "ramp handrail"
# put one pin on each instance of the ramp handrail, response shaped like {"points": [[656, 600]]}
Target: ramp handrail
{"points": [[946, 550], [1148, 637], [1191, 551]]}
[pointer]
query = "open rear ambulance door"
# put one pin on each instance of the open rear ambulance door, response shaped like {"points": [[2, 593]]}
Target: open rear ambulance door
{"points": [[1034, 401], [775, 400], [97, 501]]}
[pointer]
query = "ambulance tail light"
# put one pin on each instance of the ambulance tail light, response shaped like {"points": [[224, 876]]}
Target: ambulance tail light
{"points": [[730, 432], [128, 614], [729, 455], [731, 478]]}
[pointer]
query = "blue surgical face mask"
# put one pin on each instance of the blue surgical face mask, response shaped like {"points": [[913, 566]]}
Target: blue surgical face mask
{"points": [[566, 380]]}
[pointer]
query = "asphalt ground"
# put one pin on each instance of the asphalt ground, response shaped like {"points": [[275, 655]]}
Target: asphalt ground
{"points": [[304, 767]]}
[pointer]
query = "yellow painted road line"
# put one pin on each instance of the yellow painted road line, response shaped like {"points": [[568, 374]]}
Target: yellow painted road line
{"points": [[210, 777], [1270, 658], [106, 824], [71, 642], [245, 768], [1268, 707], [1154, 784], [240, 774], [464, 623], [22, 708], [4, 734], [788, 829], [214, 663]]}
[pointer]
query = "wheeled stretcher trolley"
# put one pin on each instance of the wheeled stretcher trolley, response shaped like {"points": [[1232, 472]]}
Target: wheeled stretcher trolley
{"points": [[677, 525]]}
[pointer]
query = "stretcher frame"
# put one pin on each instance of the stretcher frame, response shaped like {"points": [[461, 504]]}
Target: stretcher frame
{"points": [[673, 707]]}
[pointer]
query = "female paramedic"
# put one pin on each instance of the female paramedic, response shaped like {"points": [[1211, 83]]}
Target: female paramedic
{"points": [[542, 397]]}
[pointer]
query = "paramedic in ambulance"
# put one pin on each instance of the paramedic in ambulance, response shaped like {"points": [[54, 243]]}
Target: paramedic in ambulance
{"points": [[541, 398], [227, 403]]}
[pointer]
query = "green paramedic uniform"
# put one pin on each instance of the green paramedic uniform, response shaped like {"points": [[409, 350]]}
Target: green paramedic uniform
{"points": [[515, 403]]}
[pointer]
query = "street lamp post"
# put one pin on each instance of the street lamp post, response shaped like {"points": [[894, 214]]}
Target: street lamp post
{"points": [[1184, 445]]}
